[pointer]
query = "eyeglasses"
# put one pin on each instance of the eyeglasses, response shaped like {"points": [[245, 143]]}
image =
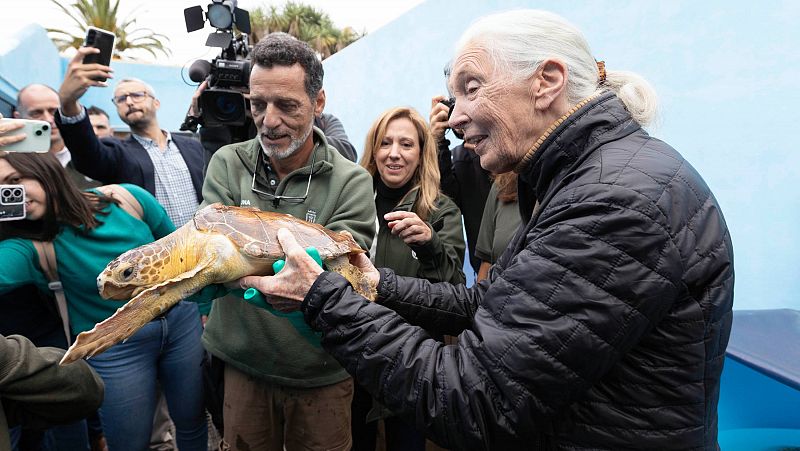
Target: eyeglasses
{"points": [[276, 200], [137, 97]]}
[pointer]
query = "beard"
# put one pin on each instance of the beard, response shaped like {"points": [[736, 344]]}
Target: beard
{"points": [[272, 151], [136, 124]]}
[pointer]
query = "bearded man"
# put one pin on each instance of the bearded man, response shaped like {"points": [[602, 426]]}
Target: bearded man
{"points": [[281, 388]]}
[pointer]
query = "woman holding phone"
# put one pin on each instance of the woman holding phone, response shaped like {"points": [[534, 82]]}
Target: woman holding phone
{"points": [[89, 229]]}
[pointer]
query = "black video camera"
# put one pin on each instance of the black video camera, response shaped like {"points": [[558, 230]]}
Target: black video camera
{"points": [[223, 103]]}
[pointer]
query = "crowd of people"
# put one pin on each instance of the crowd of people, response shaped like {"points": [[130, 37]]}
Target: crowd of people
{"points": [[599, 318]]}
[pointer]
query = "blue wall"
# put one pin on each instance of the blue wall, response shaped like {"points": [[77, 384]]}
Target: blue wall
{"points": [[727, 75], [173, 94], [35, 60]]}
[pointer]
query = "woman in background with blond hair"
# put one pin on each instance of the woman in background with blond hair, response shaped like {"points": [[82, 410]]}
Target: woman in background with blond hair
{"points": [[419, 234]]}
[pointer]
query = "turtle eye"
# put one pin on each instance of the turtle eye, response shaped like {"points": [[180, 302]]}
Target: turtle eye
{"points": [[127, 273]]}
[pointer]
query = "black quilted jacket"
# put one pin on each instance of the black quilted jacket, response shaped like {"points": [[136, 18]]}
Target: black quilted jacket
{"points": [[603, 326]]}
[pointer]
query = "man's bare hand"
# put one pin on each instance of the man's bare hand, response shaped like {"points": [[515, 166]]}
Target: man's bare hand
{"points": [[194, 108], [79, 78], [287, 289]]}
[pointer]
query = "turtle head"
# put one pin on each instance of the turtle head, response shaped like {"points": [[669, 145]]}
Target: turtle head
{"points": [[134, 271]]}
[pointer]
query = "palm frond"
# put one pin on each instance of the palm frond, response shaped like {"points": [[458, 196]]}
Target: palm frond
{"points": [[104, 14]]}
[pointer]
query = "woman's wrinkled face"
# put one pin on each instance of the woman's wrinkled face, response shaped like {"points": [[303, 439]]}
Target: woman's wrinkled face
{"points": [[35, 197], [397, 158], [495, 111]]}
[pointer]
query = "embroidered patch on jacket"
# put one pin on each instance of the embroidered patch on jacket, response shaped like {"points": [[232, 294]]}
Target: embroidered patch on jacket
{"points": [[311, 216]]}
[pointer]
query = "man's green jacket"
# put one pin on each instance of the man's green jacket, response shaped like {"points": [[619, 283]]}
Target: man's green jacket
{"points": [[276, 348]]}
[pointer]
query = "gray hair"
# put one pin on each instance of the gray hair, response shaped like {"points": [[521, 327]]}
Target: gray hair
{"points": [[283, 49], [518, 41], [149, 89]]}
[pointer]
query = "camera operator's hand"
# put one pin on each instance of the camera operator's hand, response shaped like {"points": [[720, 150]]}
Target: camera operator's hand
{"points": [[79, 78], [10, 126], [194, 108], [438, 118]]}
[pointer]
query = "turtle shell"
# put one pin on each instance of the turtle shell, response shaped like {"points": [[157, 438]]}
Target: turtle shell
{"points": [[255, 232]]}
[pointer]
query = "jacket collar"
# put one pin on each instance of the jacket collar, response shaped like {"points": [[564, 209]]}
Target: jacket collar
{"points": [[408, 200], [251, 150], [600, 121], [407, 204]]}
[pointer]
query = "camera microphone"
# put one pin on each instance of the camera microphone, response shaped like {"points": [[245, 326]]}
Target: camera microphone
{"points": [[199, 70]]}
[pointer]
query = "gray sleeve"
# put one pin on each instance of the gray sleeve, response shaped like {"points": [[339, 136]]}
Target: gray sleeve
{"points": [[334, 132]]}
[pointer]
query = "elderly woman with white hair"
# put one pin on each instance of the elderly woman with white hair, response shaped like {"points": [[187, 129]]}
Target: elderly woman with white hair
{"points": [[605, 322]]}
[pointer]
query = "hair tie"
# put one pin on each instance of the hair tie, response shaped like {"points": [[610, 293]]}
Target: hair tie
{"points": [[601, 70]]}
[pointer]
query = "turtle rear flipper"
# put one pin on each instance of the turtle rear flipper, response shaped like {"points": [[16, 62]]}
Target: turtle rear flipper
{"points": [[357, 279]]}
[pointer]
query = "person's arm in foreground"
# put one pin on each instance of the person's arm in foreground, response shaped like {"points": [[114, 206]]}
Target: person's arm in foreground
{"points": [[38, 392], [548, 326]]}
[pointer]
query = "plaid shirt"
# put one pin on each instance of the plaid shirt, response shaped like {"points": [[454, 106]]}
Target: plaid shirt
{"points": [[174, 188], [169, 168]]}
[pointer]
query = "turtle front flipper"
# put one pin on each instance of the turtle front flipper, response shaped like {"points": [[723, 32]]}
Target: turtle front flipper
{"points": [[359, 281], [137, 312]]}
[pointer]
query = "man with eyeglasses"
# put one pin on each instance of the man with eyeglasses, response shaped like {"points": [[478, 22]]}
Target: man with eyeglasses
{"points": [[281, 387], [169, 167]]}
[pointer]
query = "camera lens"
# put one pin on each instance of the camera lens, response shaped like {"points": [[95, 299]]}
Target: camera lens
{"points": [[45, 127], [38, 133], [228, 107], [16, 192]]}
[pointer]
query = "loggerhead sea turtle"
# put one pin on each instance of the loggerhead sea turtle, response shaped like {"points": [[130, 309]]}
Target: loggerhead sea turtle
{"points": [[221, 244]]}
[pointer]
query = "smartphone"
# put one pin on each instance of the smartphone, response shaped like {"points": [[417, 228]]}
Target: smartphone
{"points": [[37, 136], [12, 202], [103, 40]]}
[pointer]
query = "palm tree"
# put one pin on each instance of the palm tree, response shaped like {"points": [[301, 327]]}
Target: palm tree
{"points": [[306, 24], [103, 14]]}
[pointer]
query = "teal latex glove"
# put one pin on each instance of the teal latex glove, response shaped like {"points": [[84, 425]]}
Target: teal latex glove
{"points": [[255, 297], [310, 250]]}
